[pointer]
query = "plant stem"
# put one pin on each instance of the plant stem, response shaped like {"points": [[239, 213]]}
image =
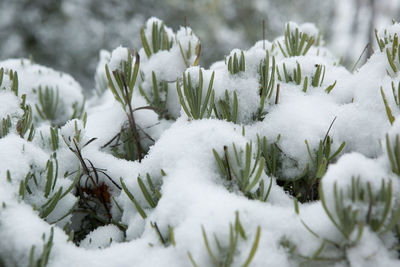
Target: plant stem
{"points": [[131, 120]]}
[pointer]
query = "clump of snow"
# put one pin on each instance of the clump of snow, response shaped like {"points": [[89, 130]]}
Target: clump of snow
{"points": [[118, 55], [102, 237]]}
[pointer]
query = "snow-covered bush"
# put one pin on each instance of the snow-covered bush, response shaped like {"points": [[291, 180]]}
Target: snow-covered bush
{"points": [[274, 156]]}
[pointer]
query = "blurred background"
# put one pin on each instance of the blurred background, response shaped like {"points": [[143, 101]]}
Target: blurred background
{"points": [[68, 34]]}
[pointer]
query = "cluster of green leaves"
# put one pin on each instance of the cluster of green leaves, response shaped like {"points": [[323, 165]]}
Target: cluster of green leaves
{"points": [[186, 56], [393, 152], [227, 109], [32, 184], [354, 207], [151, 193], [6, 125], [54, 138], [244, 169], [347, 214], [317, 78], [296, 77], [271, 154], [13, 77], [159, 39], [159, 96], [123, 145], [24, 124], [195, 106], [43, 259], [79, 110], [165, 239], [396, 97], [123, 79], [223, 255], [296, 43], [390, 45], [305, 186], [48, 101], [316, 256], [236, 64], [266, 71], [121, 84]]}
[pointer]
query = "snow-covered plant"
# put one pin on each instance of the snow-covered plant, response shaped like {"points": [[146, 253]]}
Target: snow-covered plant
{"points": [[358, 205], [243, 168], [224, 254], [48, 103], [43, 259], [393, 152], [54, 138], [320, 159], [151, 193], [166, 240], [123, 79], [230, 139], [396, 97], [54, 96], [267, 82], [160, 38], [272, 155], [22, 123], [13, 78], [35, 184], [190, 51], [305, 186], [25, 123], [235, 63], [192, 101], [121, 84], [159, 96], [353, 209], [323, 156], [296, 77], [316, 79], [227, 109], [296, 42], [389, 44]]}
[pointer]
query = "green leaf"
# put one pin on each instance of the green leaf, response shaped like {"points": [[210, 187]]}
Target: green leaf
{"points": [[145, 43], [209, 250], [253, 248], [146, 193], [133, 200], [52, 204], [388, 110]]}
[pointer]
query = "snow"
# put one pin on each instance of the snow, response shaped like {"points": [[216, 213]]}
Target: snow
{"points": [[102, 237], [33, 76], [180, 162]]}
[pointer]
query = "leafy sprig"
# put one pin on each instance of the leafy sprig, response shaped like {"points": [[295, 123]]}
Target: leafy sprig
{"points": [[195, 106]]}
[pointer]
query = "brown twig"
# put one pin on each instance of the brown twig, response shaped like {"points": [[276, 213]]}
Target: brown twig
{"points": [[278, 87], [131, 119], [227, 163]]}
